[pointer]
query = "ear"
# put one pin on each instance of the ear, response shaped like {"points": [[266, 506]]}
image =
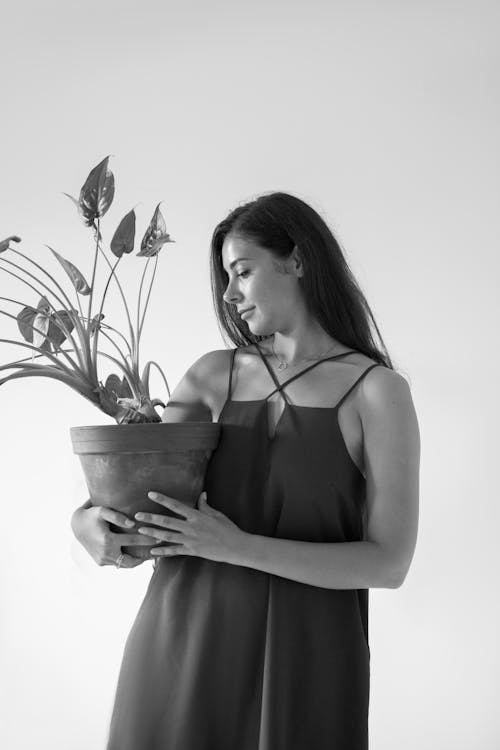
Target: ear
{"points": [[296, 259]]}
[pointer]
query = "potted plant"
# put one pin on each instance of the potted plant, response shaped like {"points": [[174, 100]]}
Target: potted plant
{"points": [[122, 461]]}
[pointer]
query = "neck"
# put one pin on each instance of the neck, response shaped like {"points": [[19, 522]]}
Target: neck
{"points": [[291, 351]]}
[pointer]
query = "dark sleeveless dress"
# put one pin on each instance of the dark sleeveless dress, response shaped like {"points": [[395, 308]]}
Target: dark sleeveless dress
{"points": [[225, 657]]}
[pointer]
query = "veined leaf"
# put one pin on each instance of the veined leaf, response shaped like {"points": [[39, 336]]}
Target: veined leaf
{"points": [[156, 235], [97, 193], [123, 238], [77, 278]]}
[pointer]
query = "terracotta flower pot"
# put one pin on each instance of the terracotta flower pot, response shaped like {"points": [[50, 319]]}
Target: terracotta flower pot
{"points": [[122, 463]]}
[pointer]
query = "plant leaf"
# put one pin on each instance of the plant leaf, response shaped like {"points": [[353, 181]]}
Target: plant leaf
{"points": [[43, 305], [145, 379], [55, 334], [41, 323], [94, 323], [120, 388], [73, 200], [77, 278], [123, 238], [157, 402], [25, 320], [97, 193], [5, 244], [156, 235]]}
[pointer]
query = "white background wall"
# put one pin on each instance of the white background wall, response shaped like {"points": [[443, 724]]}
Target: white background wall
{"points": [[385, 117]]}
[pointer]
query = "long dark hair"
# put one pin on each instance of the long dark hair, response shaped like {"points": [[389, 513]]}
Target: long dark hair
{"points": [[278, 222]]}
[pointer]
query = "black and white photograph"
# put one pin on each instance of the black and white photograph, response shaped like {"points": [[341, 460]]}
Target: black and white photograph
{"points": [[249, 260]]}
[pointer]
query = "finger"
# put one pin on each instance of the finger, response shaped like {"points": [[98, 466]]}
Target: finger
{"points": [[169, 502], [113, 516], [164, 536], [167, 522], [128, 540], [129, 561], [174, 549], [204, 506]]}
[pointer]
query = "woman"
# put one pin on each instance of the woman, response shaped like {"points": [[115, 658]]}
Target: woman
{"points": [[253, 634]]}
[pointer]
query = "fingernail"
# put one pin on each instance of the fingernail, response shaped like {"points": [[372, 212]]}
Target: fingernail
{"points": [[152, 495], [128, 522]]}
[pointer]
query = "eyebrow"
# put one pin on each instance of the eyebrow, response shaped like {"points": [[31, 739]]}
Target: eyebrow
{"points": [[237, 261]]}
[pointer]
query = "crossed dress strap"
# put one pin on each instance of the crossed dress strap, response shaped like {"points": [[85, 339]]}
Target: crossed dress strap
{"points": [[280, 386], [365, 372]]}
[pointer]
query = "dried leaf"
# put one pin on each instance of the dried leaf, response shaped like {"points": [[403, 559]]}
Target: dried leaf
{"points": [[123, 238], [74, 274]]}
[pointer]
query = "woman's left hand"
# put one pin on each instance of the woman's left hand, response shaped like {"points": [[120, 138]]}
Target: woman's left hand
{"points": [[203, 532]]}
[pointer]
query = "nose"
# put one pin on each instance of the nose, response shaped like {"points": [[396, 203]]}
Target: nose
{"points": [[230, 296]]}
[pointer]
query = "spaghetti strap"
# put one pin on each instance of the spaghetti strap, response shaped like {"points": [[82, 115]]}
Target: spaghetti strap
{"points": [[271, 371], [306, 644], [280, 386], [339, 403], [233, 353]]}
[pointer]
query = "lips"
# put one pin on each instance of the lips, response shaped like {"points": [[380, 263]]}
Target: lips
{"points": [[248, 309]]}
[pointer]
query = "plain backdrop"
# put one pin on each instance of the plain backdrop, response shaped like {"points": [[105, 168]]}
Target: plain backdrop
{"points": [[385, 117]]}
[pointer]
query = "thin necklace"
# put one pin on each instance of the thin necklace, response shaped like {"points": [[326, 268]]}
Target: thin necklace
{"points": [[283, 365]]}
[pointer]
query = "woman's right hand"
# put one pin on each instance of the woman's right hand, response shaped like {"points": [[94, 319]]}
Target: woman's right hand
{"points": [[91, 527]]}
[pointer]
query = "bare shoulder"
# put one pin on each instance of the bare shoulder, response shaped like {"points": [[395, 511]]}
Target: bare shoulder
{"points": [[386, 407], [196, 393], [382, 385]]}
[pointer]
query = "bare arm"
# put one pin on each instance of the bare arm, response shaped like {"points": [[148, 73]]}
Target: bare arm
{"points": [[392, 456], [190, 401], [193, 397]]}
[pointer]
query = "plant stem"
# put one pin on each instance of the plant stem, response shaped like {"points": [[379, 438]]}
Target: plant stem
{"points": [[147, 299], [116, 346], [96, 333], [78, 327], [89, 314], [131, 330], [70, 360], [24, 362], [44, 353], [139, 305], [47, 373], [110, 328], [162, 374]]}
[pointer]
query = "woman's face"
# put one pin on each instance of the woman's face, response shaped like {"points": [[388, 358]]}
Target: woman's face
{"points": [[258, 280]]}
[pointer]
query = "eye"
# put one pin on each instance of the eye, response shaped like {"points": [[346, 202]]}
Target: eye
{"points": [[242, 273]]}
